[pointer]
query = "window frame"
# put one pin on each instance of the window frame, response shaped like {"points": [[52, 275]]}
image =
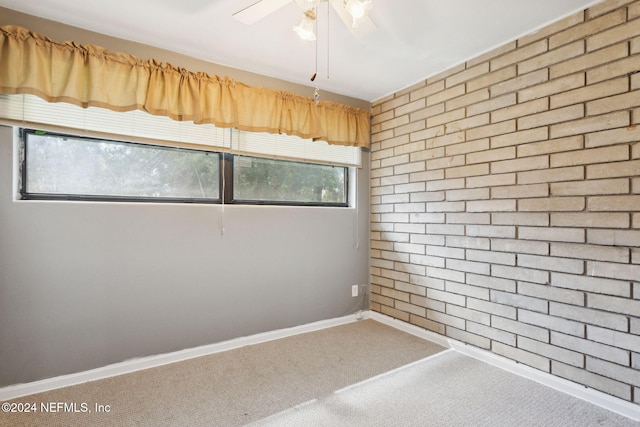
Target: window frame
{"points": [[225, 180]]}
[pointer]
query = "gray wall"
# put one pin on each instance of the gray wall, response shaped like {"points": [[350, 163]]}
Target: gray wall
{"points": [[83, 285]]}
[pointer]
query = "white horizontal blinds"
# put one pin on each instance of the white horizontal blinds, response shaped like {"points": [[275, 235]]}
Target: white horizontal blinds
{"points": [[281, 146], [29, 110]]}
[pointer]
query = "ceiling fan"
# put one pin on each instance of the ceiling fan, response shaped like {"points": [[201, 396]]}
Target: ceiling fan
{"points": [[354, 14]]}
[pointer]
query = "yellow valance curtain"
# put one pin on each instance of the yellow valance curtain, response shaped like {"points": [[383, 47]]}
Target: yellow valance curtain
{"points": [[92, 76]]}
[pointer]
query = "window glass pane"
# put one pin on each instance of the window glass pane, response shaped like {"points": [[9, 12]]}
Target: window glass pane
{"points": [[257, 179], [64, 165]]}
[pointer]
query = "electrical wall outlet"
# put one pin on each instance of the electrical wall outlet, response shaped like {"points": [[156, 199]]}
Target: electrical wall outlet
{"points": [[354, 290]]}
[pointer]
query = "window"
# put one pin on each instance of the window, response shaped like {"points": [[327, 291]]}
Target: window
{"points": [[66, 167], [257, 180], [61, 166], [168, 160]]}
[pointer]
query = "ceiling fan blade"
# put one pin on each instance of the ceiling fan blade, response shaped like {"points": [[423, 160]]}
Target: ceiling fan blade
{"points": [[366, 27], [259, 10]]}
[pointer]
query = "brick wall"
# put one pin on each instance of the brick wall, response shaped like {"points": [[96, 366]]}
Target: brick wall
{"points": [[506, 201]]}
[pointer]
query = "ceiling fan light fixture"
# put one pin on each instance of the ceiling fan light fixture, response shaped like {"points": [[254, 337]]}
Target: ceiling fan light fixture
{"points": [[307, 4], [358, 9], [306, 28]]}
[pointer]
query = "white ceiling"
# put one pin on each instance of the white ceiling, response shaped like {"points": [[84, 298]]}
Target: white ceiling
{"points": [[415, 38]]}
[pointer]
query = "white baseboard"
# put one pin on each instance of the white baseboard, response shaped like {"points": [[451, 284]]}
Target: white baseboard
{"points": [[132, 365], [614, 404], [595, 397]]}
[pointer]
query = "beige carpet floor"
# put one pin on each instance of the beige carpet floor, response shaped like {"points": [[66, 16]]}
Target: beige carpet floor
{"points": [[359, 374]]}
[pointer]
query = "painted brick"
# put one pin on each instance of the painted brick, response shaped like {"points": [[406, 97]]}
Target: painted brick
{"points": [[623, 101], [520, 329], [616, 136], [588, 93], [469, 218], [491, 155], [520, 273], [410, 308], [446, 319], [502, 231], [629, 168], [613, 35], [427, 324], [605, 7], [552, 323], [519, 110], [550, 117], [519, 55], [468, 242], [507, 47], [613, 270], [621, 373], [589, 316], [394, 313], [445, 252], [552, 87], [503, 205], [445, 184], [468, 267], [591, 124], [552, 146], [602, 351], [491, 333], [556, 27], [520, 218], [589, 379], [517, 165], [489, 79], [446, 207], [492, 308], [552, 234], [520, 246], [445, 95], [614, 304], [427, 90], [613, 69], [460, 335], [614, 203], [441, 273], [590, 60], [614, 237], [489, 282], [590, 27], [519, 83], [551, 264], [522, 356], [585, 219], [466, 100], [553, 57], [428, 303], [472, 315], [468, 194], [466, 171], [553, 175], [468, 147], [467, 74], [592, 252], [492, 104], [446, 117], [551, 293], [552, 352], [591, 187], [614, 338], [520, 191], [491, 257], [491, 180], [552, 204], [500, 128]]}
